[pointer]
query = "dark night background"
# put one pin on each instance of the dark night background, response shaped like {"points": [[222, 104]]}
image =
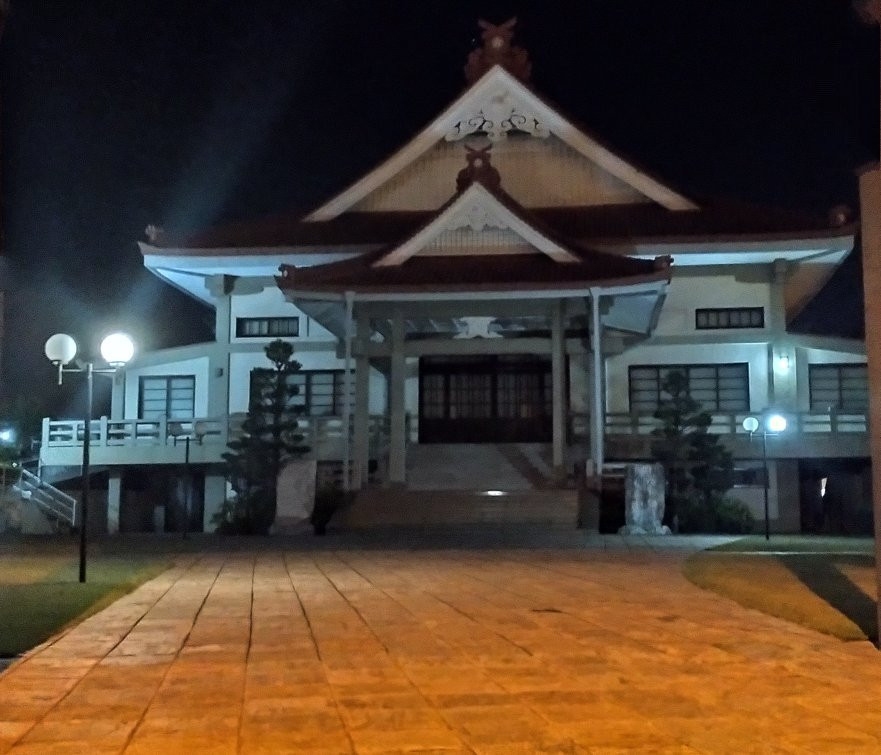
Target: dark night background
{"points": [[122, 113]]}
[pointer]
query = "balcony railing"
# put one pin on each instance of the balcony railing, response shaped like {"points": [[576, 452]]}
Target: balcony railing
{"points": [[732, 423], [133, 441], [324, 435]]}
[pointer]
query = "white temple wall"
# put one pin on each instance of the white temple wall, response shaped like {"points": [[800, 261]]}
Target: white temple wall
{"points": [[271, 303], [701, 287]]}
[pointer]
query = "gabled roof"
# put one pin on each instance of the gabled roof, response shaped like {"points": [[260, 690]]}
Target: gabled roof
{"points": [[495, 104], [478, 207], [550, 263]]}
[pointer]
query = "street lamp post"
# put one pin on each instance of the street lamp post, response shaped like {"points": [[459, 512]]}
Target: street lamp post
{"points": [[774, 424], [116, 350]]}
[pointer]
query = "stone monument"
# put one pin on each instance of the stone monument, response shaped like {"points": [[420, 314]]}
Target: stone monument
{"points": [[644, 500], [295, 495]]}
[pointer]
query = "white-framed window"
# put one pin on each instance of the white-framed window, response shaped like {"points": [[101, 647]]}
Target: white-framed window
{"points": [[717, 387], [267, 327], [726, 318], [842, 387], [321, 393], [170, 396]]}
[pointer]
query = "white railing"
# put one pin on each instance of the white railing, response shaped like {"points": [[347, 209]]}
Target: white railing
{"points": [[732, 423], [54, 502], [318, 432]]}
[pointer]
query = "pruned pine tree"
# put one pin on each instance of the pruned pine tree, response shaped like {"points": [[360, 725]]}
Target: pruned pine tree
{"points": [[269, 437], [698, 467]]}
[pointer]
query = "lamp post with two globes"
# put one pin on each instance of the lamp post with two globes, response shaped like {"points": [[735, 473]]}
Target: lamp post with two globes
{"points": [[116, 350], [774, 424]]}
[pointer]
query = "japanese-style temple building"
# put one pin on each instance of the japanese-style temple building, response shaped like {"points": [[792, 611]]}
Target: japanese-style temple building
{"points": [[504, 289]]}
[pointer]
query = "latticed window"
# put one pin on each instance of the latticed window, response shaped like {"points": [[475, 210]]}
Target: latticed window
{"points": [[267, 327], [729, 317], [321, 393], [171, 396], [844, 387], [717, 387]]}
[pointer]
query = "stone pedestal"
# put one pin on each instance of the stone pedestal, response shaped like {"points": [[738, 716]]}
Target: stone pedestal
{"points": [[295, 495], [644, 500]]}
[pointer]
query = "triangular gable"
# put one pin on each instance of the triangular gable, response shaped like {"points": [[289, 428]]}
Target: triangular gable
{"points": [[475, 209], [495, 104]]}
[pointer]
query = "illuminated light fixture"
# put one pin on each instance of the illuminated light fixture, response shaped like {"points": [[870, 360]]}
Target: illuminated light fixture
{"points": [[776, 423], [7, 436], [60, 349], [782, 363], [494, 492], [117, 349]]}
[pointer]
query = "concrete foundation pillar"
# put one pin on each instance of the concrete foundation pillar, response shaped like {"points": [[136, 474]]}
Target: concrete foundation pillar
{"points": [[215, 495], [114, 500], [558, 387], [397, 466]]}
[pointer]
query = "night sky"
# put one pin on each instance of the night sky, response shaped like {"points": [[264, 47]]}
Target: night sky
{"points": [[123, 113]]}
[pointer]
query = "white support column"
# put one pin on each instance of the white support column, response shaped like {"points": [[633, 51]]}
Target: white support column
{"points": [[215, 494], [218, 355], [597, 413], [558, 388], [397, 466], [362, 405], [114, 500], [782, 389], [347, 393]]}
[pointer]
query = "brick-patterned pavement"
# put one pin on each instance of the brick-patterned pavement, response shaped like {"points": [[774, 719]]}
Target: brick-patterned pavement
{"points": [[393, 650]]}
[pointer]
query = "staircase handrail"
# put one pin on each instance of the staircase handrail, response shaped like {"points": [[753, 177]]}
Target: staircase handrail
{"points": [[49, 498]]}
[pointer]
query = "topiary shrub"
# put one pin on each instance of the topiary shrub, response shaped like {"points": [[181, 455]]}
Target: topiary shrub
{"points": [[722, 515]]}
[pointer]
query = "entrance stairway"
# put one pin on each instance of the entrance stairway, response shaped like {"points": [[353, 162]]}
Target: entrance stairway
{"points": [[468, 483], [55, 505]]}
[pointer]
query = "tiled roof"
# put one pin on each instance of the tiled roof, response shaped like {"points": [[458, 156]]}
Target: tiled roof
{"points": [[716, 220], [499, 272]]}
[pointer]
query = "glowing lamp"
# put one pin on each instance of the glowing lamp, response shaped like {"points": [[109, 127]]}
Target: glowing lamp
{"points": [[117, 349], [776, 423]]}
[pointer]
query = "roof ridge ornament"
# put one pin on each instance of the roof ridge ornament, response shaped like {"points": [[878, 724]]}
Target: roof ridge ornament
{"points": [[498, 50]]}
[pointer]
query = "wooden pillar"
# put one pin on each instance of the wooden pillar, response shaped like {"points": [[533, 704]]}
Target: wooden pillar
{"points": [[362, 404], [397, 466], [870, 212], [558, 387]]}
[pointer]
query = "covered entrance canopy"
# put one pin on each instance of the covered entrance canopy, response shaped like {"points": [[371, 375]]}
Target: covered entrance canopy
{"points": [[492, 302]]}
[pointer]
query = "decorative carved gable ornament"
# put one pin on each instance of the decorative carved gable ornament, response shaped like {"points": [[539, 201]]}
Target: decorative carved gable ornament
{"points": [[476, 216], [500, 113], [497, 50], [477, 327]]}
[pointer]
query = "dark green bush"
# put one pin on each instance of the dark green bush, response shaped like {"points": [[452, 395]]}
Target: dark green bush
{"points": [[250, 513], [328, 501], [722, 515]]}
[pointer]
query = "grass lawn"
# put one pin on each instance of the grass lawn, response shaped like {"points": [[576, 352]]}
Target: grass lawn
{"points": [[824, 583], [40, 593]]}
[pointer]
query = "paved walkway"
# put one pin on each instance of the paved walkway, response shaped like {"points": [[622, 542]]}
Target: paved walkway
{"points": [[565, 650]]}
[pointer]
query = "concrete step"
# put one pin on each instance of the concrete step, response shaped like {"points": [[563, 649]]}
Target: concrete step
{"points": [[463, 466], [384, 507]]}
